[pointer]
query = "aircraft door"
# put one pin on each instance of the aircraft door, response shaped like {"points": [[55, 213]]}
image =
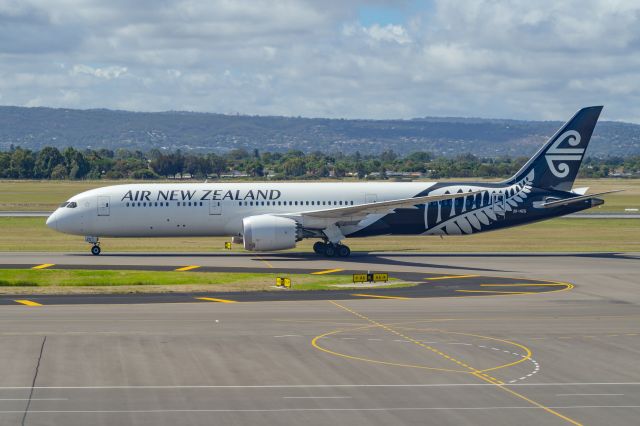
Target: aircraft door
{"points": [[103, 206], [498, 203], [215, 207]]}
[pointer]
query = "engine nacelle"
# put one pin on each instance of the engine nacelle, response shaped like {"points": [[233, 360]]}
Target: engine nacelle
{"points": [[267, 232]]}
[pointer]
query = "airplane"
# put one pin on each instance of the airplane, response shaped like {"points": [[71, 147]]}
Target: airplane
{"points": [[270, 216]]}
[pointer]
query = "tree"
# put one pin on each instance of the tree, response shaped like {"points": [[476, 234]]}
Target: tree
{"points": [[22, 163], [77, 165], [294, 167], [46, 160], [218, 164], [59, 172]]}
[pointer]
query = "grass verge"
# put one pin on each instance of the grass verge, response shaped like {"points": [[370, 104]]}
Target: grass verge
{"points": [[56, 281], [30, 195], [556, 235]]}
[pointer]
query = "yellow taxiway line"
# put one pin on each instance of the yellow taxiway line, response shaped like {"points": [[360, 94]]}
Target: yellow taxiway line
{"points": [[211, 299], [450, 277], [480, 374], [328, 271], [43, 266], [266, 262], [380, 297], [496, 292], [27, 302], [188, 268]]}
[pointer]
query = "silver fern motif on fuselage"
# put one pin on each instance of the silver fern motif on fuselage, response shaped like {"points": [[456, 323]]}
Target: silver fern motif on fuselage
{"points": [[482, 212]]}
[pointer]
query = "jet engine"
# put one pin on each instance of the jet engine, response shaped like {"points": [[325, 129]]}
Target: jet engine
{"points": [[267, 232]]}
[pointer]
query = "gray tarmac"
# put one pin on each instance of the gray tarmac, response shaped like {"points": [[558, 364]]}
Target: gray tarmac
{"points": [[565, 357]]}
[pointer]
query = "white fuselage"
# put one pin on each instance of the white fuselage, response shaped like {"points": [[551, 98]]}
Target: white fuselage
{"points": [[210, 209]]}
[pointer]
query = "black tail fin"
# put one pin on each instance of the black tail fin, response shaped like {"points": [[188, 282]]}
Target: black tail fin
{"points": [[556, 165]]}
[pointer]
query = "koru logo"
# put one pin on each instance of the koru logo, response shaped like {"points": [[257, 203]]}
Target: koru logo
{"points": [[556, 157]]}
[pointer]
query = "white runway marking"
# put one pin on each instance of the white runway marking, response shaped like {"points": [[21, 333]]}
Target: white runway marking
{"points": [[285, 410], [415, 385], [589, 394], [289, 335], [316, 397], [34, 399]]}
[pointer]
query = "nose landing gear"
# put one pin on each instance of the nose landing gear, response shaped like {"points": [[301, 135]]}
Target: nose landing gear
{"points": [[330, 249], [95, 249]]}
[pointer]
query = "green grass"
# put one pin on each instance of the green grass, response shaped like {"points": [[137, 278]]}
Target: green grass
{"points": [[138, 281], [581, 235], [32, 195]]}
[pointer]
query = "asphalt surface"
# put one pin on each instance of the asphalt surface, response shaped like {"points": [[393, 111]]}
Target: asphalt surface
{"points": [[564, 357], [428, 284]]}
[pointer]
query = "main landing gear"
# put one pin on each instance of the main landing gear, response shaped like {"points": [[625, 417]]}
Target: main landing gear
{"points": [[331, 249], [95, 249]]}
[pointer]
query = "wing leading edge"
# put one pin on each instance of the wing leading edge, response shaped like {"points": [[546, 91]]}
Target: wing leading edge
{"points": [[380, 207]]}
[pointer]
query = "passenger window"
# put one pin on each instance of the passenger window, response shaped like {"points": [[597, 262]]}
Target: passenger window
{"points": [[263, 203], [340, 202], [127, 204], [251, 203]]}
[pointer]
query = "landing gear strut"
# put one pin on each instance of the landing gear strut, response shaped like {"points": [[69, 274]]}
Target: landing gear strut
{"points": [[95, 249], [330, 249]]}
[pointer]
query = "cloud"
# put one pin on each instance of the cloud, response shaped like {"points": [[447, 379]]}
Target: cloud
{"points": [[107, 73], [515, 59]]}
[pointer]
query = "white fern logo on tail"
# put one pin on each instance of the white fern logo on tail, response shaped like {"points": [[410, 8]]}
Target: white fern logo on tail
{"points": [[483, 215], [561, 155]]}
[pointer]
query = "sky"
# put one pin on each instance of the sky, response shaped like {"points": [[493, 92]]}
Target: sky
{"points": [[519, 59]]}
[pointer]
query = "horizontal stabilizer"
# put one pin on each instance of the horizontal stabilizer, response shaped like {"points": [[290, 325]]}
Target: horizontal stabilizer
{"points": [[573, 200]]}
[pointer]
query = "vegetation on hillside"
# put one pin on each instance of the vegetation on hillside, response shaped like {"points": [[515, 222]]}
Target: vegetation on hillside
{"points": [[70, 163], [35, 128]]}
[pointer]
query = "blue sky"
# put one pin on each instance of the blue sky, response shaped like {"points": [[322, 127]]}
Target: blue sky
{"points": [[355, 59]]}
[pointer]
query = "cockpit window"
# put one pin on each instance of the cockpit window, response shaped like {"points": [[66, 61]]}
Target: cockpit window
{"points": [[64, 204], [72, 205]]}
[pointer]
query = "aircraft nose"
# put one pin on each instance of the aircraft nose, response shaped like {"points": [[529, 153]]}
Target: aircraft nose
{"points": [[52, 221]]}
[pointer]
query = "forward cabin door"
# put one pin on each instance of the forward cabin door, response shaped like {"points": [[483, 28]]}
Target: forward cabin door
{"points": [[498, 204], [103, 206], [215, 207]]}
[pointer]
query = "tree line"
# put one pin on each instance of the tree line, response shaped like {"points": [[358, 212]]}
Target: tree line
{"points": [[73, 164]]}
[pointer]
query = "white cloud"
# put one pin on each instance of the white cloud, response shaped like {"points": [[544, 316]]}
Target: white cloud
{"points": [[516, 58], [107, 73]]}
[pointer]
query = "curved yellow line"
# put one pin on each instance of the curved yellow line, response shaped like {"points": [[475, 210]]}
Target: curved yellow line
{"points": [[527, 352], [315, 344]]}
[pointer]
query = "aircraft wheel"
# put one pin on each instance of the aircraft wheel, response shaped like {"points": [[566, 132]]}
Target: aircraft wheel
{"points": [[343, 251], [319, 247], [95, 250], [330, 250]]}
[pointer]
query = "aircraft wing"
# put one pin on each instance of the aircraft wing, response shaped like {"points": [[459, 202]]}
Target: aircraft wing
{"points": [[380, 207], [572, 200]]}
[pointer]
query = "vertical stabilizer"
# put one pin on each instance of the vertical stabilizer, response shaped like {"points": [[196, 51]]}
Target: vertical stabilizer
{"points": [[556, 164]]}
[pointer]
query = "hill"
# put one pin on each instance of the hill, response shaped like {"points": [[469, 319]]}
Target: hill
{"points": [[34, 128]]}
